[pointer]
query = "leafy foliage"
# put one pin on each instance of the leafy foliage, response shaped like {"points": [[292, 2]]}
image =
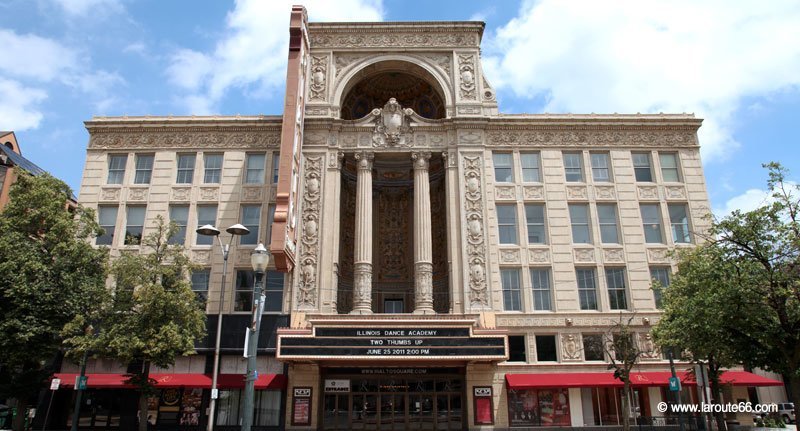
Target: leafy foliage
{"points": [[51, 276]]}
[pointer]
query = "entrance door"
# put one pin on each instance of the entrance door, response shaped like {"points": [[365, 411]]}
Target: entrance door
{"points": [[363, 412], [393, 412], [335, 412]]}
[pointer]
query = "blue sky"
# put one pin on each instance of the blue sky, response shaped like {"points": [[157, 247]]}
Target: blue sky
{"points": [[734, 63]]}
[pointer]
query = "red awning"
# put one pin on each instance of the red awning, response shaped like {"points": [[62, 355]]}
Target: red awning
{"points": [[174, 380], [648, 378]]}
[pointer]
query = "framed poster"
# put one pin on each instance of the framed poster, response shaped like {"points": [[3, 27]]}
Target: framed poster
{"points": [[301, 406], [482, 403]]}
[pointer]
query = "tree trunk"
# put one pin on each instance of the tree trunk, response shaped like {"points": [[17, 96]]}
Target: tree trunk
{"points": [[794, 385], [18, 423], [716, 394], [626, 417], [143, 398]]}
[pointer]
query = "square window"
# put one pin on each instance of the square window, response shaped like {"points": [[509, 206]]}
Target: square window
{"points": [[116, 168], [573, 167], [593, 347], [507, 223], [540, 284], [546, 348], [212, 173], [511, 292], [144, 169], [503, 167], [530, 167], [516, 348], [641, 167], [185, 168], [254, 171], [534, 215], [601, 168], [579, 217]]}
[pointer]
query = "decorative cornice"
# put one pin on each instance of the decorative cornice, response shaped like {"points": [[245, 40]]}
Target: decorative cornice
{"points": [[420, 35]]}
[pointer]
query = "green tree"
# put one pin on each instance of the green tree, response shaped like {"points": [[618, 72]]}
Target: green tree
{"points": [[746, 281], [51, 274], [154, 316]]}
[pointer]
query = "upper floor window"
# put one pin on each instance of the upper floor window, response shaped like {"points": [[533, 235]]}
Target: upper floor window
{"points": [[180, 215], [273, 291], [534, 215], [641, 167], [134, 224], [107, 219], [593, 347], [587, 288], [251, 219], [661, 274], [680, 223], [276, 162], [651, 222], [213, 168], [669, 167], [116, 168], [185, 168], [579, 217], [530, 167], [200, 279], [517, 348], [573, 167], [617, 296], [540, 282], [206, 214], [607, 216], [546, 348], [254, 171], [601, 168], [144, 169], [511, 293], [503, 167], [507, 223]]}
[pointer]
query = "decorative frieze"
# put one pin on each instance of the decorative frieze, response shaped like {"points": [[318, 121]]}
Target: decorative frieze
{"points": [[584, 255], [613, 255], [110, 194], [533, 193], [395, 40], [605, 193], [201, 256], [149, 139], [657, 255], [138, 193], [571, 347], [571, 137], [505, 192], [509, 256], [209, 193], [252, 193], [675, 192], [577, 193], [647, 192], [309, 237], [538, 256], [181, 193], [577, 321], [476, 244]]}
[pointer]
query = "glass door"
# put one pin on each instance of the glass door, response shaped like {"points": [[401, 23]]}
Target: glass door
{"points": [[364, 412], [334, 416]]}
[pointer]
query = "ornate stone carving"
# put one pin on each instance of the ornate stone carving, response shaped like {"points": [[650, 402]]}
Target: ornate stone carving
{"points": [[648, 347], [675, 192], [201, 256], [209, 193], [535, 193], [577, 192], [317, 111], [613, 255], [319, 77], [476, 246], [397, 40], [251, 193], [109, 194], [343, 61], [469, 110], [466, 72], [309, 237], [509, 256], [505, 192], [393, 128], [423, 282], [538, 255], [598, 137], [657, 255], [647, 192], [570, 347], [584, 255], [443, 61], [181, 193], [137, 194], [605, 192], [187, 137], [470, 137], [335, 160]]}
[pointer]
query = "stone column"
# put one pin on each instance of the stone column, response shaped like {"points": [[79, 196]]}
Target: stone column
{"points": [[423, 248], [362, 289]]}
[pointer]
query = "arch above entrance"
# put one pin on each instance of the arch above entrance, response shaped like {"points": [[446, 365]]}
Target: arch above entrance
{"points": [[413, 82]]}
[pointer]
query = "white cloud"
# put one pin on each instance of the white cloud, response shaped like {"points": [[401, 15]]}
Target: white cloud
{"points": [[650, 56], [19, 110], [748, 201], [253, 53], [83, 8], [31, 56]]}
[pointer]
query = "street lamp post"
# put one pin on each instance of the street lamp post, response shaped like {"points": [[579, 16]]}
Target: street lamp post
{"points": [[259, 259], [209, 230]]}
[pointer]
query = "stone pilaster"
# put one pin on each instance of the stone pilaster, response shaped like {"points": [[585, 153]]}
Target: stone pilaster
{"points": [[423, 248], [362, 289]]}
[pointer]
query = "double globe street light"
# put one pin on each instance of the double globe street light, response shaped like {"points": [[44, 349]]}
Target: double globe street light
{"points": [[259, 259], [209, 230]]}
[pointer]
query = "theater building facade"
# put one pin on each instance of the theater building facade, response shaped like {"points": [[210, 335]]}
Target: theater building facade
{"points": [[437, 264]]}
